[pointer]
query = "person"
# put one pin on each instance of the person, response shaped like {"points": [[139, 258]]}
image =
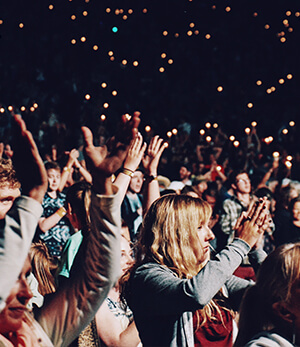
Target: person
{"points": [[69, 310], [185, 172], [114, 320], [17, 229], [291, 233], [270, 311], [78, 201], [199, 185], [173, 277], [283, 214], [135, 204], [132, 205], [9, 186], [54, 227], [235, 205]]}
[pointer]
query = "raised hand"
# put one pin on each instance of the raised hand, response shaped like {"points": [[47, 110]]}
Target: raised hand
{"points": [[29, 165], [252, 224], [101, 162], [135, 153], [154, 152]]}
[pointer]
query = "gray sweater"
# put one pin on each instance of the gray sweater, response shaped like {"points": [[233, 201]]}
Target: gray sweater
{"points": [[163, 304]]}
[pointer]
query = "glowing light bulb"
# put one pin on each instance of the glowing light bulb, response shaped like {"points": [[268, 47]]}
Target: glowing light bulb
{"points": [[87, 96], [254, 124], [207, 125], [247, 131], [174, 131], [202, 132], [231, 138], [147, 128]]}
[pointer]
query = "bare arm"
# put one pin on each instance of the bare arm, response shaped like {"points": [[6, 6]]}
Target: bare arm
{"points": [[111, 332], [150, 163], [134, 156]]}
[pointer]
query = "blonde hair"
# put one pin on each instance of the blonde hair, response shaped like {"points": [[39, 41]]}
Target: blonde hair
{"points": [[275, 280], [43, 267], [169, 236], [169, 233]]}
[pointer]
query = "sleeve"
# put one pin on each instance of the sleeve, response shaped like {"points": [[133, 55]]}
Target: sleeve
{"points": [[226, 217], [16, 233], [162, 291], [73, 306]]}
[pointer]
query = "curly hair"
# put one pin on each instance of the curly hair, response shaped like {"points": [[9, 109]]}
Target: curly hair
{"points": [[8, 175]]}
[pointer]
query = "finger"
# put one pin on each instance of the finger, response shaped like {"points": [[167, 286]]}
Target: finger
{"points": [[138, 142], [87, 136], [153, 142], [251, 210], [158, 145], [162, 148], [260, 211], [240, 220]]}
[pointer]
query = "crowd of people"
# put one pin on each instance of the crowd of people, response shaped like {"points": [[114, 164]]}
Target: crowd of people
{"points": [[132, 240]]}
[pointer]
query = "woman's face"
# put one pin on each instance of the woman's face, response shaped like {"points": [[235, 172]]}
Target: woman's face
{"points": [[296, 211], [12, 315], [202, 251], [54, 177], [126, 258], [136, 182]]}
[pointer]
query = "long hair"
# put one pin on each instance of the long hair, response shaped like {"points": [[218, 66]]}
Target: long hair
{"points": [[43, 267], [168, 237], [275, 280], [79, 198], [169, 233]]}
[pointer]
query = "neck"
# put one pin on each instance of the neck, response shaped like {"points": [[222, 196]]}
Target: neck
{"points": [[131, 194], [53, 194], [243, 197]]}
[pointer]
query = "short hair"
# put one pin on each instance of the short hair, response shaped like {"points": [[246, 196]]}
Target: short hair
{"points": [[8, 176], [233, 175], [52, 165]]}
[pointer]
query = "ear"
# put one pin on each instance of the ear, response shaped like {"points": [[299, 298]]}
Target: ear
{"points": [[281, 309], [233, 186]]}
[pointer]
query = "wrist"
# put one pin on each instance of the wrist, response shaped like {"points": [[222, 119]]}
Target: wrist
{"points": [[150, 177], [127, 172], [61, 212]]}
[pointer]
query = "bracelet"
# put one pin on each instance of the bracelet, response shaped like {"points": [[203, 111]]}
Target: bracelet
{"points": [[66, 168], [150, 178], [61, 212], [127, 172]]}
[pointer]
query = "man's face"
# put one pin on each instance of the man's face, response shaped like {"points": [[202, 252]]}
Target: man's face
{"points": [[7, 197], [243, 183], [184, 173], [12, 315], [53, 179]]}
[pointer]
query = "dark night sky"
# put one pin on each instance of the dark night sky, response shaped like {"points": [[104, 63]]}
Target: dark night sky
{"points": [[40, 64]]}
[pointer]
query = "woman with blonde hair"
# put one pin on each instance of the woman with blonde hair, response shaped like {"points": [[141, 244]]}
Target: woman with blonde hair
{"points": [[173, 277], [270, 311]]}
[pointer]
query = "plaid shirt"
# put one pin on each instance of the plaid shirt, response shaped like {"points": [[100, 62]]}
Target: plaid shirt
{"points": [[231, 211]]}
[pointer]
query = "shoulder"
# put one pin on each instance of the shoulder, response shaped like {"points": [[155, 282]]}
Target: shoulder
{"points": [[268, 339]]}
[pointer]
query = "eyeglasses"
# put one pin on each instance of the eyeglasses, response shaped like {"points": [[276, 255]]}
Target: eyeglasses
{"points": [[243, 180]]}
